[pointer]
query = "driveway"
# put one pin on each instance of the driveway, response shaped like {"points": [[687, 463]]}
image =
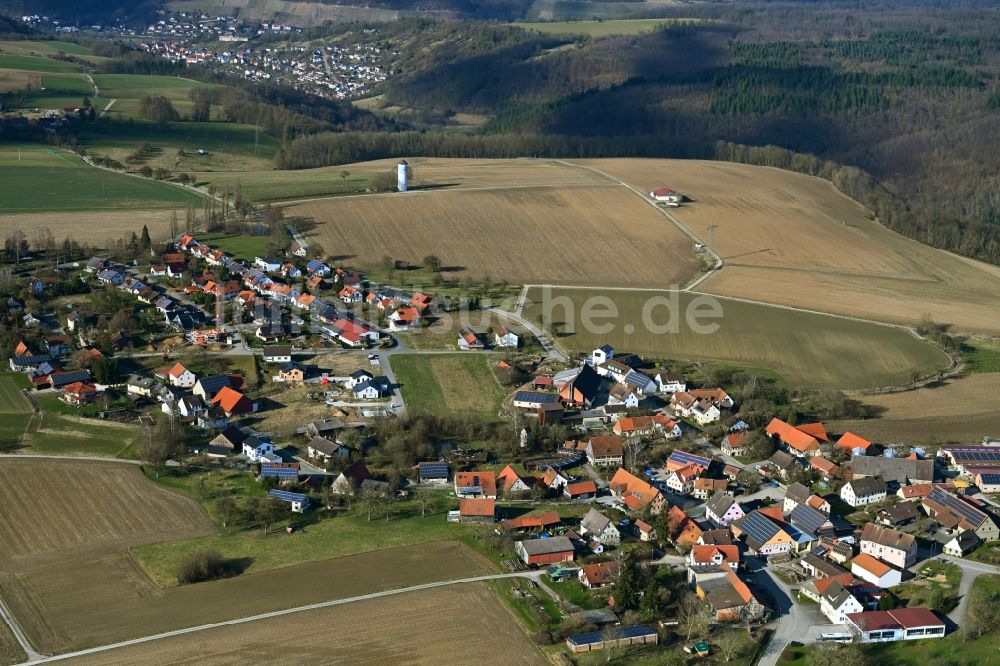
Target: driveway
{"points": [[792, 621]]}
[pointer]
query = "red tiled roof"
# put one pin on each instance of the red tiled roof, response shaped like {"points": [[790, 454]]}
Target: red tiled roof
{"points": [[870, 564], [477, 507], [850, 441], [791, 436]]}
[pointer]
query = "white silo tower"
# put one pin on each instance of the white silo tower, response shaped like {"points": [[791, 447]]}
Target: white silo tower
{"points": [[402, 175]]}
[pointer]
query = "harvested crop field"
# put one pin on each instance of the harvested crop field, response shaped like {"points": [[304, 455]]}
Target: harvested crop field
{"points": [[806, 350], [55, 508], [93, 227], [448, 383], [425, 627], [94, 601], [536, 233], [793, 239], [10, 650], [959, 410]]}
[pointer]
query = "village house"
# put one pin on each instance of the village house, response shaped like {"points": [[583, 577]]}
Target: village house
{"points": [[956, 515], [277, 354], [622, 394], [852, 444], [534, 400], [634, 427], [605, 451], [291, 372], [734, 444], [644, 531], [233, 403], [795, 494], [722, 509], [542, 552], [825, 468], [595, 525], [351, 479], [681, 481], [505, 338], [636, 493], [900, 514], [581, 389], [837, 602], [207, 387], [866, 567], [79, 394], [729, 598], [599, 574], [683, 530], [469, 340], [701, 410], [511, 482], [795, 440], [961, 544], [864, 491], [476, 484], [258, 449], [180, 376], [477, 510], [580, 490], [321, 448], [435, 473], [893, 470], [763, 535], [531, 523], [888, 545], [705, 487], [899, 624], [705, 556]]}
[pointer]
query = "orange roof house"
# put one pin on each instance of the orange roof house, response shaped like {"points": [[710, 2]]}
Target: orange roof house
{"points": [[824, 466], [797, 441], [634, 425], [477, 508], [511, 481], [817, 430], [233, 403], [683, 530], [476, 483], [636, 493], [850, 441]]}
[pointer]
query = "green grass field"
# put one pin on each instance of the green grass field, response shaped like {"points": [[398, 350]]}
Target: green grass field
{"points": [[446, 384], [58, 429], [35, 64], [28, 47], [601, 28], [243, 247], [981, 355], [323, 536], [12, 401], [38, 179], [137, 86], [805, 349], [289, 185], [67, 84]]}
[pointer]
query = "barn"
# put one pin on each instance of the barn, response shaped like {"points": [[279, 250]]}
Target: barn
{"points": [[539, 552]]}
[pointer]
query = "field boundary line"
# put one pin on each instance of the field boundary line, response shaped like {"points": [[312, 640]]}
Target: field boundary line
{"points": [[41, 659], [15, 629], [698, 279], [50, 456]]}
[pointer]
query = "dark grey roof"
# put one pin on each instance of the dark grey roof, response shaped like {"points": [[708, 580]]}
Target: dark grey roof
{"points": [[782, 460], [433, 470], [897, 470], [902, 512], [720, 502], [868, 485], [798, 492], [595, 522], [807, 519], [758, 528], [213, 384], [323, 445], [535, 396], [278, 350], [836, 595], [557, 544], [587, 382], [826, 568], [59, 379]]}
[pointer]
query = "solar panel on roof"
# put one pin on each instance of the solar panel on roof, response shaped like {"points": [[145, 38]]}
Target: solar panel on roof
{"points": [[757, 527], [636, 631], [688, 458], [287, 496], [280, 471], [967, 511]]}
